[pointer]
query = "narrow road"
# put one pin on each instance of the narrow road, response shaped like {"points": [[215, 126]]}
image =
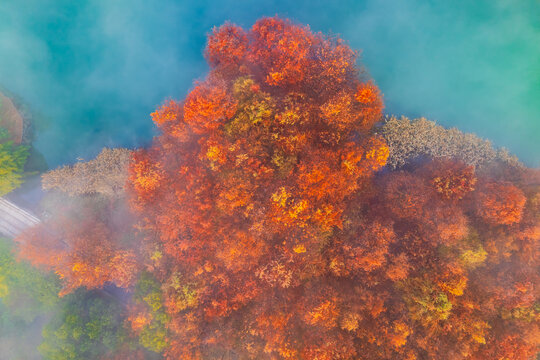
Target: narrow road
{"points": [[13, 219]]}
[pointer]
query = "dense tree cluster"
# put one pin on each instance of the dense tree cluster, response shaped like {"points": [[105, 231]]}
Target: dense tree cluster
{"points": [[268, 225], [248, 184], [87, 237], [274, 240], [88, 241]]}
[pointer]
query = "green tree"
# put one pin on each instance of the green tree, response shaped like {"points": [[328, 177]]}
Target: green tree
{"points": [[12, 160], [90, 325], [150, 324], [24, 291], [26, 299]]}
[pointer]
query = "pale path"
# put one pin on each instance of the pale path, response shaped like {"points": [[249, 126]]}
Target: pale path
{"points": [[13, 219]]}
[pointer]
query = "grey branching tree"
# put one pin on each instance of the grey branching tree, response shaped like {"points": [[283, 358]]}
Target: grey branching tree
{"points": [[411, 139], [106, 175]]}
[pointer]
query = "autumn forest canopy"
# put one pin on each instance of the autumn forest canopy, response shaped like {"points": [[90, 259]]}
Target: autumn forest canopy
{"points": [[279, 214]]}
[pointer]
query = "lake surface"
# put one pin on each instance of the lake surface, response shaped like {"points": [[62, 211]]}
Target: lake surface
{"points": [[93, 70]]}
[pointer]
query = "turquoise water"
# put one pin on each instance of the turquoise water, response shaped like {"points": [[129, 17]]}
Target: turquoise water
{"points": [[94, 69]]}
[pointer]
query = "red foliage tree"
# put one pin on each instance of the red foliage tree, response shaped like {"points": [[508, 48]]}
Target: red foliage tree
{"points": [[451, 179], [271, 239], [500, 203], [83, 247], [248, 184], [270, 233]]}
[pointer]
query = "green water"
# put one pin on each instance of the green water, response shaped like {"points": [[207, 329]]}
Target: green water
{"points": [[94, 70]]}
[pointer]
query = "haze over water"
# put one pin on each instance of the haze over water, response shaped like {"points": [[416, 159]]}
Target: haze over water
{"points": [[95, 69]]}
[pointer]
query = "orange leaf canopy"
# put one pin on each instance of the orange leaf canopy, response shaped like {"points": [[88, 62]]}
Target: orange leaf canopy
{"points": [[253, 172]]}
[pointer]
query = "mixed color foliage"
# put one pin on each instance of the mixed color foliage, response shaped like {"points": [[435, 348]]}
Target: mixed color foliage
{"points": [[268, 226], [86, 242], [12, 160], [13, 155]]}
